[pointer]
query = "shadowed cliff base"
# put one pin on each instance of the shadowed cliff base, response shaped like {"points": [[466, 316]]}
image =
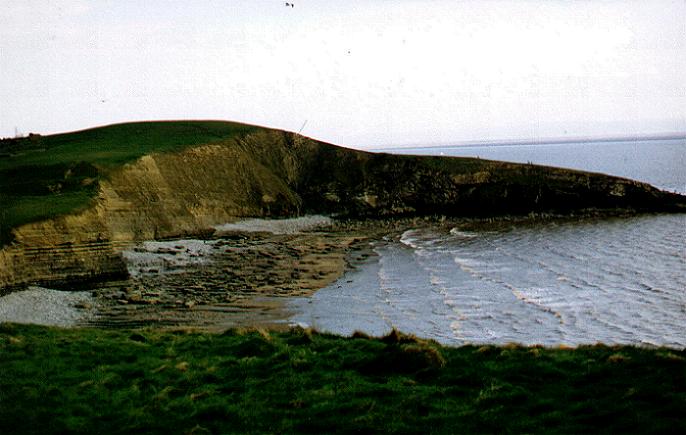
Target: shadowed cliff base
{"points": [[72, 202]]}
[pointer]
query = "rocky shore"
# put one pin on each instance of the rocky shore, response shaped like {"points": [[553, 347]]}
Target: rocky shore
{"points": [[237, 278], [240, 275]]}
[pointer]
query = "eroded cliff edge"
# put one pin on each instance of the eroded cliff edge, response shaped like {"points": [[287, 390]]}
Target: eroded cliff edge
{"points": [[276, 174]]}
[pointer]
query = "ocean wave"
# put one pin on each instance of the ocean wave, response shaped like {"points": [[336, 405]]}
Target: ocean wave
{"points": [[463, 234], [535, 301], [410, 238], [468, 265]]}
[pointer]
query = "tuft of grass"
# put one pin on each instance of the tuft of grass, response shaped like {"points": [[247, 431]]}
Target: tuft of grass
{"points": [[255, 381]]}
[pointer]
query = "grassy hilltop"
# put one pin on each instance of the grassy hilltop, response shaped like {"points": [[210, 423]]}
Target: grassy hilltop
{"points": [[46, 176]]}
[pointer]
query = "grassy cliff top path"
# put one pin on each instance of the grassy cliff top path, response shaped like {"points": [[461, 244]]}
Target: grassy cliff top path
{"points": [[140, 381]]}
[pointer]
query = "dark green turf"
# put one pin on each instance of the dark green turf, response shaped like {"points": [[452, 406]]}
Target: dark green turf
{"points": [[98, 381]]}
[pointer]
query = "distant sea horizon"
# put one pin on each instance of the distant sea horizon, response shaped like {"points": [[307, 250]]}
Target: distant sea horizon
{"points": [[539, 141]]}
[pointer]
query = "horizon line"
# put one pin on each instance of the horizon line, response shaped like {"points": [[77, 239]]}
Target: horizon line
{"points": [[540, 141]]}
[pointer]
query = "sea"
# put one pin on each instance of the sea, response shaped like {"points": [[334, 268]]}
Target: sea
{"points": [[616, 280], [571, 281]]}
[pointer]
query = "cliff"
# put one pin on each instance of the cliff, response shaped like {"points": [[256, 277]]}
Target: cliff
{"points": [[262, 172]]}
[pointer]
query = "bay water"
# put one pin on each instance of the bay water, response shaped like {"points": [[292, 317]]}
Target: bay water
{"points": [[567, 282]]}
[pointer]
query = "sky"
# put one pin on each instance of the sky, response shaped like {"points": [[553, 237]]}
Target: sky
{"points": [[362, 74]]}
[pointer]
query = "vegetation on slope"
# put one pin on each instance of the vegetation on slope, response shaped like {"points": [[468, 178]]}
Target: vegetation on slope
{"points": [[47, 176], [338, 180], [104, 381], [116, 144]]}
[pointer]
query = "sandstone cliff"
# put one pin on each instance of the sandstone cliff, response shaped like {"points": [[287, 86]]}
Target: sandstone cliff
{"points": [[272, 173]]}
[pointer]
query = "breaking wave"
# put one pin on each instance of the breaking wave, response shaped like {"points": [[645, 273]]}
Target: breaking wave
{"points": [[616, 281]]}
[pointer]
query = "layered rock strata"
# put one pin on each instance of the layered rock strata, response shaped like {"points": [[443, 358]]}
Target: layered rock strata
{"points": [[271, 173]]}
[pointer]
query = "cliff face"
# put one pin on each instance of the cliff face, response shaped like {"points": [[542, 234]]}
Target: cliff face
{"points": [[336, 180], [272, 173], [158, 196]]}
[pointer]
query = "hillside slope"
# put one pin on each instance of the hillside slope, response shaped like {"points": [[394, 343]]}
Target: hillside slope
{"points": [[71, 202]]}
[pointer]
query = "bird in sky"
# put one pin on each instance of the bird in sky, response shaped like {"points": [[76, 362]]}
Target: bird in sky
{"points": [[290, 4]]}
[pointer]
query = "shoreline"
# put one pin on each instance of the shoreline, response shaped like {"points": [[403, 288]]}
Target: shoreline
{"points": [[245, 281], [235, 279], [244, 278]]}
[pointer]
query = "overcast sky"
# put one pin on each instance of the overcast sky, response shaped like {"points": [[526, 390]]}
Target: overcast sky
{"points": [[356, 73]]}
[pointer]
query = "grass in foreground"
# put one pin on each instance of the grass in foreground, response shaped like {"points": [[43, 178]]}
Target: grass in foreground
{"points": [[100, 381]]}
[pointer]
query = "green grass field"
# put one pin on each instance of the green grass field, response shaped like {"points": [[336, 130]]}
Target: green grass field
{"points": [[47, 176], [103, 381], [117, 144]]}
